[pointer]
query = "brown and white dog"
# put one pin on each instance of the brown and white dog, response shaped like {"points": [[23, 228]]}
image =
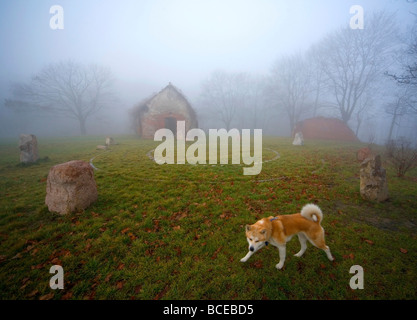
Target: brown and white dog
{"points": [[279, 230]]}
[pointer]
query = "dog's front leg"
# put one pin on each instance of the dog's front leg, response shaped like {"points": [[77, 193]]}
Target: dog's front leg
{"points": [[245, 258], [282, 252]]}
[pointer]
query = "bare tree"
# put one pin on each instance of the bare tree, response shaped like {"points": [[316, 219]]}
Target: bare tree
{"points": [[224, 94], [362, 111], [257, 105], [318, 81], [402, 155], [290, 86], [353, 60], [399, 107], [66, 88], [408, 62]]}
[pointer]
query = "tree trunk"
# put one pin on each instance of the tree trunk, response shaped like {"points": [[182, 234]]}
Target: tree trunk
{"points": [[82, 126], [292, 126], [345, 115], [316, 102], [358, 127], [392, 126]]}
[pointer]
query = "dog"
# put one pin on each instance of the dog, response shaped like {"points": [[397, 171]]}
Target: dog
{"points": [[277, 231]]}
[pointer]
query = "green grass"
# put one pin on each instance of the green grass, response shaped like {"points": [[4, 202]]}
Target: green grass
{"points": [[177, 231]]}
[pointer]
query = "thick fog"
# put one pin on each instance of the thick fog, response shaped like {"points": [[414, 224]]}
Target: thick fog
{"points": [[147, 44]]}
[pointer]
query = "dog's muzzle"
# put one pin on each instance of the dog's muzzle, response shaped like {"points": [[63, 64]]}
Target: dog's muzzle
{"points": [[251, 248]]}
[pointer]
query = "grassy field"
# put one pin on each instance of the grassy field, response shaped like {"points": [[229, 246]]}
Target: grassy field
{"points": [[177, 231]]}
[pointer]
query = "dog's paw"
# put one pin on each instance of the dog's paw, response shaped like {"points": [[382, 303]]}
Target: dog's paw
{"points": [[298, 255], [243, 260], [279, 265]]}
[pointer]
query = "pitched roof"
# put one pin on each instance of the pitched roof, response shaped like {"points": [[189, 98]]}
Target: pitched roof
{"points": [[142, 107], [325, 129]]}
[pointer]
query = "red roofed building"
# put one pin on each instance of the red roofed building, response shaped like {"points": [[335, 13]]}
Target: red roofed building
{"points": [[322, 128]]}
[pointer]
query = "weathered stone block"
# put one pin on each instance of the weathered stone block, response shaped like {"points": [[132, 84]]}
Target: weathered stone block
{"points": [[28, 145], [109, 141], [298, 139], [70, 187], [373, 180]]}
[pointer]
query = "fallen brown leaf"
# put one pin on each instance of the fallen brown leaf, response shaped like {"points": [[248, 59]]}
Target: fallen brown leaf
{"points": [[33, 293], [56, 261], [67, 296], [125, 230], [121, 266], [214, 256], [107, 279], [162, 293], [120, 284], [88, 245], [39, 266], [258, 264], [48, 296], [349, 256], [138, 289], [17, 256], [131, 236]]}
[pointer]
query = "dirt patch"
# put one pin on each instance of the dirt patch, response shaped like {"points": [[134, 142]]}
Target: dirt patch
{"points": [[387, 224], [374, 217]]}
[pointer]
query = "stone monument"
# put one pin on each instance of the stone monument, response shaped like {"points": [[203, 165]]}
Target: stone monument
{"points": [[28, 145], [373, 180], [70, 186]]}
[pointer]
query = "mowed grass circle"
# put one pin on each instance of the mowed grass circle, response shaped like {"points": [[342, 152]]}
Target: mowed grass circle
{"points": [[129, 159]]}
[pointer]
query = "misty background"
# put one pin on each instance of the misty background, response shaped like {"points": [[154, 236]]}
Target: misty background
{"points": [[256, 50]]}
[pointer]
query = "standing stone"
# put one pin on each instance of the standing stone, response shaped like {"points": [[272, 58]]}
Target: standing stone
{"points": [[109, 141], [298, 139], [28, 145], [70, 187], [373, 180]]}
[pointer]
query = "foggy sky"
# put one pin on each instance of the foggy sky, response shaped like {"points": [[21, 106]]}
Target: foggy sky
{"points": [[150, 43]]}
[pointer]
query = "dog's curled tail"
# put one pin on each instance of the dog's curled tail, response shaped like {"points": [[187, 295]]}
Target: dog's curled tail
{"points": [[312, 212]]}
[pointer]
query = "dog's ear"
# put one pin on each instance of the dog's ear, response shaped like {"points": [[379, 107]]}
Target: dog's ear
{"points": [[247, 227]]}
